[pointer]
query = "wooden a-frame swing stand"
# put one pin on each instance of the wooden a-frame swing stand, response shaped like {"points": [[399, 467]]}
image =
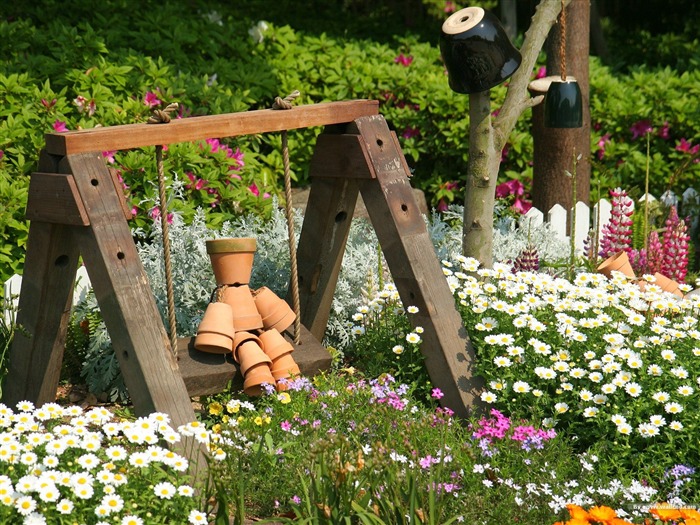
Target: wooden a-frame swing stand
{"points": [[77, 209]]}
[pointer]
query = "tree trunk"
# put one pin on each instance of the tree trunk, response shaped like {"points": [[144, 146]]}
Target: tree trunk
{"points": [[556, 148], [482, 171], [487, 139]]}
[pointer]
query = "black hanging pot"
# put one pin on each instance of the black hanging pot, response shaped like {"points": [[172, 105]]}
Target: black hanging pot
{"points": [[563, 105], [476, 51]]}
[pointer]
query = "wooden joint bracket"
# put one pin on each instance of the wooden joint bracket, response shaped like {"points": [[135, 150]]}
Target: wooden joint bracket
{"points": [[54, 198]]}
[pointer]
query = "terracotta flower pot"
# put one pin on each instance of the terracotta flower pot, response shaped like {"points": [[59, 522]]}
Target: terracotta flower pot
{"points": [[667, 285], [279, 350], [245, 314], [215, 332], [254, 363], [232, 259], [275, 312], [619, 262]]}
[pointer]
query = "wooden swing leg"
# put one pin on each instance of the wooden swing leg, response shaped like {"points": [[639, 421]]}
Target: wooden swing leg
{"points": [[126, 301], [45, 301], [321, 245]]}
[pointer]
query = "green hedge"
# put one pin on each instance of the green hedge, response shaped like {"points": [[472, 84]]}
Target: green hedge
{"points": [[206, 57]]}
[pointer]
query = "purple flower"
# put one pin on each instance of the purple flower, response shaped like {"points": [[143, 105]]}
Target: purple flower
{"points": [[640, 128], [296, 500], [411, 132]]}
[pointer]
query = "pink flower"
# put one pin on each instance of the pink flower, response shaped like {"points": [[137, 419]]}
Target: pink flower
{"points": [[83, 105], [437, 393], [255, 191], [602, 142], [151, 99], [449, 7], [155, 214], [522, 206], [59, 126], [48, 104], [541, 72], [640, 128], [404, 60], [109, 156], [195, 182], [286, 426]]}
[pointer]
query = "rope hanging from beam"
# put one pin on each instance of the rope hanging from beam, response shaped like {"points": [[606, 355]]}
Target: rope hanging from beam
{"points": [[162, 116], [284, 104]]}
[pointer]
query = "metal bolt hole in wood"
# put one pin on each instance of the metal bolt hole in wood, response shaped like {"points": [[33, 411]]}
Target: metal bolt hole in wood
{"points": [[77, 209]]}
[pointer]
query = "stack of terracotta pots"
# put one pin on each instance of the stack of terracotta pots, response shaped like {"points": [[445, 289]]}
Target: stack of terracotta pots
{"points": [[620, 262], [248, 323]]}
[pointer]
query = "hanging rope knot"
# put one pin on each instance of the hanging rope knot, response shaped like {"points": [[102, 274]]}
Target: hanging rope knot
{"points": [[162, 116], [286, 102]]}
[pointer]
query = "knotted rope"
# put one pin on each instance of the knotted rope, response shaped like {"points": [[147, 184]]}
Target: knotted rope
{"points": [[162, 116], [286, 103]]}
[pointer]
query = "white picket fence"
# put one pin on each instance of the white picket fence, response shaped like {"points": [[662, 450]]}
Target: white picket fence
{"points": [[587, 219]]}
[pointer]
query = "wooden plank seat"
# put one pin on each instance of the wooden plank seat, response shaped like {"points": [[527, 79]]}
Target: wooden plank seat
{"points": [[206, 374]]}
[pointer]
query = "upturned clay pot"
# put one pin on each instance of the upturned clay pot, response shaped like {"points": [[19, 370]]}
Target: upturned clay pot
{"points": [[254, 363], [215, 332], [232, 259], [245, 313], [619, 262], [275, 312], [667, 285], [279, 350]]}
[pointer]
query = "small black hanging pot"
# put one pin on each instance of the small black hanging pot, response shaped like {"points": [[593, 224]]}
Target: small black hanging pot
{"points": [[476, 51], [563, 104]]}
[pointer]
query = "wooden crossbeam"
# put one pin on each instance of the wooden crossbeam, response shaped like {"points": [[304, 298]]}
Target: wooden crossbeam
{"points": [[129, 136]]}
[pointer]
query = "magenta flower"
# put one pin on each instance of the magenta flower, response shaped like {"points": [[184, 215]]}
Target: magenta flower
{"points": [[511, 187], [150, 99], [675, 247], [617, 233], [195, 182], [59, 126], [602, 142], [411, 132], [109, 156], [685, 146], [437, 393], [541, 72], [664, 131], [155, 214], [286, 426], [640, 128], [253, 188], [404, 60]]}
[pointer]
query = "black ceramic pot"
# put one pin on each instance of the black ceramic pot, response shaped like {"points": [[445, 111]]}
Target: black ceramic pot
{"points": [[476, 50], [563, 105]]}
